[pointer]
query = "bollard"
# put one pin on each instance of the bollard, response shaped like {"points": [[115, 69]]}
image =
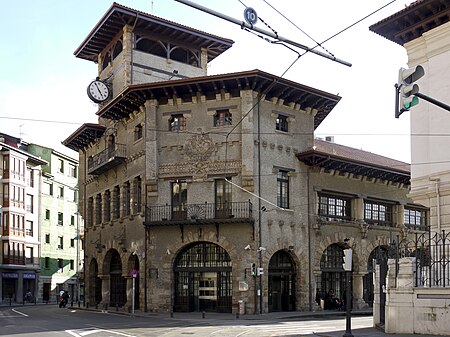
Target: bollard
{"points": [[171, 314], [10, 300], [203, 314], [79, 304], [237, 315], [117, 307]]}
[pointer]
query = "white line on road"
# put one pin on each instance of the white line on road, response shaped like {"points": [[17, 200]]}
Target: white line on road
{"points": [[18, 312]]}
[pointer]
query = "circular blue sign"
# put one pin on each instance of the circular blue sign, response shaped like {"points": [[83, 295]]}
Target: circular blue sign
{"points": [[250, 16]]}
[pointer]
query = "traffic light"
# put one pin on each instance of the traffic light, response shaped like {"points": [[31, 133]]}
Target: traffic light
{"points": [[347, 265], [406, 89], [253, 269]]}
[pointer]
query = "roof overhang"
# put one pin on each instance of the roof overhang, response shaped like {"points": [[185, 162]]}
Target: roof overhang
{"points": [[272, 87], [83, 136], [118, 16], [414, 20], [329, 161]]}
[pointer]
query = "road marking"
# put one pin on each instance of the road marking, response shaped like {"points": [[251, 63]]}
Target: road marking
{"points": [[18, 312], [85, 332]]}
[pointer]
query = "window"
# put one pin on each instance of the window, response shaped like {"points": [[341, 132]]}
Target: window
{"points": [[30, 177], [47, 238], [107, 206], [90, 212], [127, 199], [29, 203], [46, 262], [71, 264], [376, 213], [61, 192], [177, 123], [415, 218], [47, 214], [72, 243], [138, 131], [60, 219], [179, 200], [60, 265], [60, 166], [29, 228], [47, 188], [283, 189], [72, 220], [222, 118], [223, 198], [98, 209], [60, 242], [72, 171], [334, 207], [138, 194], [282, 123], [71, 195], [116, 203]]}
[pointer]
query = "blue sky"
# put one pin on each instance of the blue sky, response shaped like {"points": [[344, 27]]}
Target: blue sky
{"points": [[40, 78]]}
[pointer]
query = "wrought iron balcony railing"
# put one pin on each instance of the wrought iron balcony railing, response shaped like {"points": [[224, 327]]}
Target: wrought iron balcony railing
{"points": [[108, 158], [199, 213]]}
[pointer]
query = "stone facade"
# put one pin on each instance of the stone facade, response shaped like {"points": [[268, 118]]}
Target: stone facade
{"points": [[208, 186]]}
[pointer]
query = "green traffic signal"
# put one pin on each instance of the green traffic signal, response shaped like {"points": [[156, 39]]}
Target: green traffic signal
{"points": [[406, 89]]}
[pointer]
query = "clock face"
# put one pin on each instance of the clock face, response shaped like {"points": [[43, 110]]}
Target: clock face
{"points": [[98, 91]]}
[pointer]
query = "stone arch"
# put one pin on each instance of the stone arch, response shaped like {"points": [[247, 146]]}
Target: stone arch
{"points": [[202, 278], [95, 284], [113, 267], [282, 273]]}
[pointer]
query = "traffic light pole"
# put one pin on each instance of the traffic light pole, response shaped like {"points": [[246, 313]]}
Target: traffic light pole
{"points": [[348, 305], [433, 101]]}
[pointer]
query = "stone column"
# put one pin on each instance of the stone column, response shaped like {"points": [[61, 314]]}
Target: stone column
{"points": [[105, 290], [358, 209], [400, 297], [358, 291], [129, 291]]}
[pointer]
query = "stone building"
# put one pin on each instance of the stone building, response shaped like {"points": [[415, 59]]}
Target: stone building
{"points": [[210, 193]]}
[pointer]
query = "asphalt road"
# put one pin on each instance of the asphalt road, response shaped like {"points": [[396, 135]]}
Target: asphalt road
{"points": [[49, 320]]}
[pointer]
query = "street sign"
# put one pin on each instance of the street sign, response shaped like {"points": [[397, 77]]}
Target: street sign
{"points": [[250, 16], [134, 273]]}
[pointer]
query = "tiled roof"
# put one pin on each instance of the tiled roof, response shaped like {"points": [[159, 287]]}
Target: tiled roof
{"points": [[334, 156]]}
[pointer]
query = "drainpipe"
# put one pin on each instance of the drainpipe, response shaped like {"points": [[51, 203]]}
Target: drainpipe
{"points": [[261, 300], [438, 203], [309, 242]]}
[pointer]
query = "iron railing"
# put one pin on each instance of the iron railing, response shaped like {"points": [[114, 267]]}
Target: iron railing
{"points": [[111, 156], [165, 214], [431, 251]]}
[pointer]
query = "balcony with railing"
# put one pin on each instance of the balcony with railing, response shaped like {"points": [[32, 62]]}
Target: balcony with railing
{"points": [[207, 213], [107, 159]]}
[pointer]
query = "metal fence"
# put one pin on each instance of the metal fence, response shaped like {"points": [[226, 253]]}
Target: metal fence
{"points": [[432, 258]]}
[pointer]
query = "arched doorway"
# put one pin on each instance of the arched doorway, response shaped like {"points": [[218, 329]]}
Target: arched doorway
{"points": [[117, 283], [378, 256], [95, 284], [203, 279], [133, 263], [332, 274], [281, 282]]}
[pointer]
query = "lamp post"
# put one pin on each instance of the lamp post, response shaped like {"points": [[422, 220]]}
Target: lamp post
{"points": [[348, 298]]}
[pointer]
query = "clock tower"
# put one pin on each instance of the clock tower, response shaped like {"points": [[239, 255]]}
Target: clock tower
{"points": [[133, 47]]}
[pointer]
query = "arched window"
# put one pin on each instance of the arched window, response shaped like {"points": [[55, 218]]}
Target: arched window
{"points": [[117, 49], [106, 60], [151, 47]]}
